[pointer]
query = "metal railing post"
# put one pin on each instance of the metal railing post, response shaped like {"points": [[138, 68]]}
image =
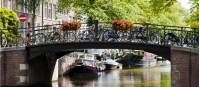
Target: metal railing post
{"points": [[164, 35], [181, 36], [193, 35], [130, 35]]}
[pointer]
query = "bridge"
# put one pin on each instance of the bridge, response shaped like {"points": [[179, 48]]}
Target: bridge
{"points": [[40, 49]]}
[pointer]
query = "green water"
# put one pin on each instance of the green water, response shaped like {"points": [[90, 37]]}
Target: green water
{"points": [[159, 76]]}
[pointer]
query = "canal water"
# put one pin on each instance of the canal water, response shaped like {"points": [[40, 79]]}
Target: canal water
{"points": [[157, 76]]}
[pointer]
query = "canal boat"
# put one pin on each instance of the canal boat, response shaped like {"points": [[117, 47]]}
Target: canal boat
{"points": [[111, 64], [84, 63], [100, 66]]}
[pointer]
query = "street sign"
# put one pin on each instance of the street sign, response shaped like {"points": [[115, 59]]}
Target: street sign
{"points": [[22, 17]]}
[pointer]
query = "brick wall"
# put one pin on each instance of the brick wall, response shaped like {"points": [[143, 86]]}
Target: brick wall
{"points": [[11, 75], [185, 68], [195, 70]]}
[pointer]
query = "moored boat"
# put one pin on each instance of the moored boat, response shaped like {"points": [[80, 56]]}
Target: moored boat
{"points": [[111, 64], [84, 63]]}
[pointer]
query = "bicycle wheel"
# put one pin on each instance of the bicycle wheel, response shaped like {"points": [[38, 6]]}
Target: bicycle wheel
{"points": [[154, 39], [20, 42], [109, 36], [55, 37], [69, 36], [38, 39], [123, 35], [87, 35]]}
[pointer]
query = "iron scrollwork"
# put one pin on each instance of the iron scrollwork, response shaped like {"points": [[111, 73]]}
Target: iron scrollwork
{"points": [[138, 34]]}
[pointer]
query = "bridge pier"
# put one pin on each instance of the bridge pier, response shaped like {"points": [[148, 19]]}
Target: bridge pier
{"points": [[14, 67], [17, 70], [41, 69], [184, 67]]}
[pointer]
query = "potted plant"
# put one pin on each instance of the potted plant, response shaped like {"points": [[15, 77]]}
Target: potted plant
{"points": [[122, 24], [71, 26]]}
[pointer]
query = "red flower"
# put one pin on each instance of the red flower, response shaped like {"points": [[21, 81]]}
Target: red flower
{"points": [[122, 24], [71, 26]]}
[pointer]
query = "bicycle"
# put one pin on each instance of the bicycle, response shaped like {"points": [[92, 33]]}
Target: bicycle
{"points": [[138, 34], [53, 36]]}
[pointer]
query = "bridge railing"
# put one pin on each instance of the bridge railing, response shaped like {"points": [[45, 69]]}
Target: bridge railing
{"points": [[103, 32]]}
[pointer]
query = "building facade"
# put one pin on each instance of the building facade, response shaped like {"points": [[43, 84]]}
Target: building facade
{"points": [[50, 13]]}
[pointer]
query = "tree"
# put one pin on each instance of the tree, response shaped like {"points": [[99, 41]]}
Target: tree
{"points": [[161, 5], [193, 18], [8, 23], [151, 11]]}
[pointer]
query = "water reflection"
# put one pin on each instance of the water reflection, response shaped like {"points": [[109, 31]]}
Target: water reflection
{"points": [[136, 77], [83, 79]]}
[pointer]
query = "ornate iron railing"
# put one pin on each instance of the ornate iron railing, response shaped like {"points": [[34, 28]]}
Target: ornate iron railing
{"points": [[103, 32]]}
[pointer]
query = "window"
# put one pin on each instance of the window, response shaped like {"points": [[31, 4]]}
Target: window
{"points": [[1, 3], [9, 4], [14, 5], [38, 10], [54, 11], [50, 10], [5, 3], [81, 56], [19, 8], [25, 9], [46, 9]]}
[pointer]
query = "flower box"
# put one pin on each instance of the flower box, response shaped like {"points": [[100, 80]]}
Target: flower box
{"points": [[71, 26], [122, 25]]}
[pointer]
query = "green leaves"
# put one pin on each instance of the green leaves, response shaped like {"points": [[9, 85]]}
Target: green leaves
{"points": [[152, 11], [193, 18], [8, 23]]}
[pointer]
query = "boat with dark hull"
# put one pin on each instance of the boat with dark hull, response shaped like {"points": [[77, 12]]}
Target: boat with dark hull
{"points": [[84, 63], [79, 69], [111, 64]]}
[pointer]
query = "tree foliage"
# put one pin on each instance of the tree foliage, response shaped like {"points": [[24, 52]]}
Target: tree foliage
{"points": [[152, 11], [8, 23], [193, 19]]}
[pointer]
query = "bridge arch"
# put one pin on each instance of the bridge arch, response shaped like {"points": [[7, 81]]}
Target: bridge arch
{"points": [[160, 50]]}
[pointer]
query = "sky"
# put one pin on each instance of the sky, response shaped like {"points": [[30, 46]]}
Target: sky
{"points": [[184, 3]]}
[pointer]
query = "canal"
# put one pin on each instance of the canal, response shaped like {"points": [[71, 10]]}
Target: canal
{"points": [[155, 76]]}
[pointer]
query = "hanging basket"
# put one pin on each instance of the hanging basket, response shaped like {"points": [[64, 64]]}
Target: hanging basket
{"points": [[122, 25], [70, 26]]}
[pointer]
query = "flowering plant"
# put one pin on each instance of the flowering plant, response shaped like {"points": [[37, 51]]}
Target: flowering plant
{"points": [[122, 24], [71, 26]]}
